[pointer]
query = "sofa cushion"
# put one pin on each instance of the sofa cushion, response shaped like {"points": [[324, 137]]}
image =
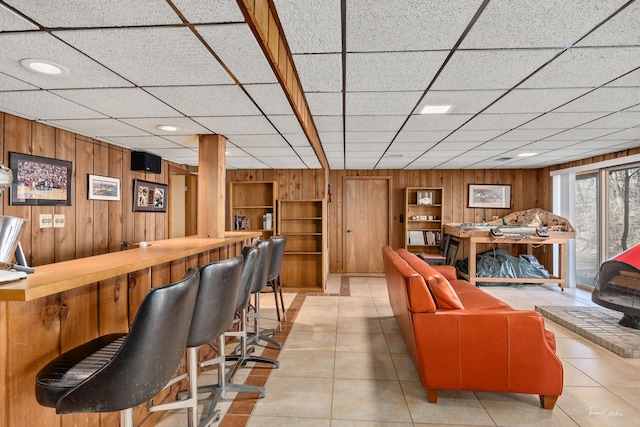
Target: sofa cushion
{"points": [[419, 298], [441, 290], [480, 300]]}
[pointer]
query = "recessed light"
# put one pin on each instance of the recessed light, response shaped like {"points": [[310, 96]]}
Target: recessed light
{"points": [[527, 154], [436, 109], [44, 67], [168, 128]]}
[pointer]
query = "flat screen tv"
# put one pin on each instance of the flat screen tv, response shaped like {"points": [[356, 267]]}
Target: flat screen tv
{"points": [[40, 180]]}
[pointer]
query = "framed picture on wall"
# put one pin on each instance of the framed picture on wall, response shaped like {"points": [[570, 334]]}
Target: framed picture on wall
{"points": [[40, 181], [149, 196], [489, 196], [103, 188]]}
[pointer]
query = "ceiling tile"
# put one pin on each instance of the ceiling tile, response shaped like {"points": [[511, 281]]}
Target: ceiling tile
{"points": [[311, 27], [270, 98], [490, 69], [462, 101], [10, 21], [605, 99], [561, 120], [412, 136], [8, 83], [119, 102], [527, 134], [83, 72], [324, 103], [42, 105], [543, 23], [535, 100], [381, 103], [230, 100], [197, 11], [237, 125], [631, 133], [368, 137], [98, 128], [451, 146], [187, 126], [97, 13], [320, 72], [474, 135], [619, 30], [436, 121], [269, 141], [187, 141], [580, 134], [621, 120], [487, 121], [328, 123], [328, 138], [150, 56], [148, 142], [297, 140], [585, 67], [406, 24], [286, 123], [374, 123], [392, 71], [410, 147], [238, 49]]}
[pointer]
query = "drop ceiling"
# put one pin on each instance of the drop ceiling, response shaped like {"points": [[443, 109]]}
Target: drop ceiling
{"points": [[557, 78]]}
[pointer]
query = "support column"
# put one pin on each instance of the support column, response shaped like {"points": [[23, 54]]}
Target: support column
{"points": [[211, 186]]}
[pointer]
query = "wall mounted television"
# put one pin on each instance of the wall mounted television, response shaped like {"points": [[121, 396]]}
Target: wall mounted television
{"points": [[40, 181]]}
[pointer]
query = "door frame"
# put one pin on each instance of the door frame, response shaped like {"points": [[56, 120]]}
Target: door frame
{"points": [[344, 210]]}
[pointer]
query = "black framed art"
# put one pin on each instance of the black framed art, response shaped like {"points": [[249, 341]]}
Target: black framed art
{"points": [[149, 196], [40, 181]]}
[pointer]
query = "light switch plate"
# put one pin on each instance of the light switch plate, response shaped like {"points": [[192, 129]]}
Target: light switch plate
{"points": [[58, 221], [46, 220]]}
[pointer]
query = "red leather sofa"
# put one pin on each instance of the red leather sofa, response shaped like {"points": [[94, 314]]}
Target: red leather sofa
{"points": [[462, 338]]}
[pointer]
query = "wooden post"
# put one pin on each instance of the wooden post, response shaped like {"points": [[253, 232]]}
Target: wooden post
{"points": [[211, 186]]}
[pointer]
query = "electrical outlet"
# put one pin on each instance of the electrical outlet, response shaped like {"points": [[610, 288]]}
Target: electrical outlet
{"points": [[46, 220], [58, 221]]}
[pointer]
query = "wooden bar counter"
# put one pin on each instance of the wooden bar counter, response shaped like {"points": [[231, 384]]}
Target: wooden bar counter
{"points": [[66, 304]]}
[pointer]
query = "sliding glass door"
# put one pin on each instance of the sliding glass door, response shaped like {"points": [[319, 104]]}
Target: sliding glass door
{"points": [[587, 232]]}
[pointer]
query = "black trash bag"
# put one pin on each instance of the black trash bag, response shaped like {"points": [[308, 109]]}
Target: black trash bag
{"points": [[499, 263]]}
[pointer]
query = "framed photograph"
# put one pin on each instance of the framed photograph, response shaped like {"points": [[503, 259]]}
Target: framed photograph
{"points": [[149, 196], [40, 181], [103, 188], [489, 196]]}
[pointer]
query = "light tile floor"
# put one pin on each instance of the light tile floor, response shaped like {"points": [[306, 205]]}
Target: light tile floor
{"points": [[344, 364]]}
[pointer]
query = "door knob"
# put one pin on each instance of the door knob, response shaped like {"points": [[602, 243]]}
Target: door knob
{"points": [[349, 231]]}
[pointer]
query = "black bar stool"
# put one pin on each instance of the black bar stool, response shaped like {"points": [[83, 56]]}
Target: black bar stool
{"points": [[243, 353], [259, 284], [273, 280], [213, 315], [117, 372]]}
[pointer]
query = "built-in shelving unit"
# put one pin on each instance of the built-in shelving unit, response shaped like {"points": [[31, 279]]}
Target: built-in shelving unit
{"points": [[303, 223], [250, 204], [423, 219]]}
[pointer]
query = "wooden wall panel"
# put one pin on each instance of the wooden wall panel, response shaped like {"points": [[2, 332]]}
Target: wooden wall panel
{"points": [[92, 227], [64, 237]]}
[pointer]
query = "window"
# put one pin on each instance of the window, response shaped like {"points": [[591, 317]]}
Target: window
{"points": [[623, 209]]}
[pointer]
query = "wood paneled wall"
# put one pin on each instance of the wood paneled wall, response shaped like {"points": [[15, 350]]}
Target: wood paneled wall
{"points": [[92, 227]]}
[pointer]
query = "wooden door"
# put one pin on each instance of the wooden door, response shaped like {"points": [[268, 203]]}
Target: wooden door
{"points": [[366, 218]]}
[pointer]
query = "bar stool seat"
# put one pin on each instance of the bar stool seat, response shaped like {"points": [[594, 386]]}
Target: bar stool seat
{"points": [[117, 372]]}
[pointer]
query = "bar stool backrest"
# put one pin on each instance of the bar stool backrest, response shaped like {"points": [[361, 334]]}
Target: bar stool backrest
{"points": [[262, 270], [251, 254], [279, 243], [217, 298], [149, 356]]}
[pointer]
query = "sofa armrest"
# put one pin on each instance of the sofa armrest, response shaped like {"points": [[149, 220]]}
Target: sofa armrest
{"points": [[500, 350], [448, 271]]}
